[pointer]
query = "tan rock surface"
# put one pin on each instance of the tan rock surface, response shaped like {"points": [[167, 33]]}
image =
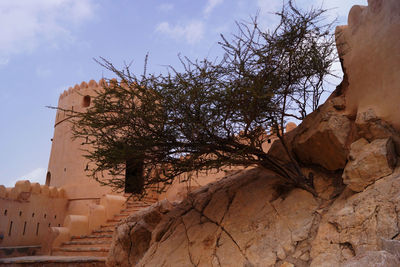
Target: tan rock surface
{"points": [[356, 223], [236, 221], [325, 142], [132, 238], [369, 162], [369, 47], [242, 220], [373, 258], [248, 219]]}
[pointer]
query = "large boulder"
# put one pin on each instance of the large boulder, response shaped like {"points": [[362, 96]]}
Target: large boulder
{"points": [[369, 162], [322, 138], [243, 219], [325, 141]]}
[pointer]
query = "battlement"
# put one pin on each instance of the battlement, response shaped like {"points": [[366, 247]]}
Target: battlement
{"points": [[80, 87], [27, 211], [92, 84], [23, 190]]}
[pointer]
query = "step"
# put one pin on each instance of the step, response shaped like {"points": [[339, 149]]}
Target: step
{"points": [[51, 261], [137, 206], [131, 210], [143, 200], [19, 251], [103, 231], [86, 243], [121, 215], [92, 237], [113, 221], [107, 227], [81, 251]]}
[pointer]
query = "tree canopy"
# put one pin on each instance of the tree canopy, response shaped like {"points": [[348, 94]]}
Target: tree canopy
{"points": [[211, 113]]}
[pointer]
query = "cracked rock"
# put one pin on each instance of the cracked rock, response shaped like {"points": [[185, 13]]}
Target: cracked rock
{"points": [[369, 162]]}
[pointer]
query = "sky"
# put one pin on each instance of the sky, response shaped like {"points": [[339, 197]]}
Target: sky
{"points": [[47, 46]]}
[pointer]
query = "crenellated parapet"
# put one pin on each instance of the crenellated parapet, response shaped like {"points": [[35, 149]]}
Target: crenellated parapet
{"points": [[27, 211], [78, 88], [24, 189]]}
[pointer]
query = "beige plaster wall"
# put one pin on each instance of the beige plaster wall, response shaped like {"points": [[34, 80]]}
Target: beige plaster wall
{"points": [[374, 82], [27, 211], [67, 164]]}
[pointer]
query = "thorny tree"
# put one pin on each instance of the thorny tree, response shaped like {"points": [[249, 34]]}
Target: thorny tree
{"points": [[153, 128]]}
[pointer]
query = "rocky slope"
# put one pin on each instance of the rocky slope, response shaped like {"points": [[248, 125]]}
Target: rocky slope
{"points": [[349, 147]]}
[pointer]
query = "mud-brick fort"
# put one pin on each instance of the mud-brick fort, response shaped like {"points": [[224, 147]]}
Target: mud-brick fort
{"points": [[349, 147], [71, 214]]}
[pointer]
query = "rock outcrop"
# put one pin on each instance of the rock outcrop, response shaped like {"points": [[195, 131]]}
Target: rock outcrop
{"points": [[325, 141], [356, 223], [348, 148], [132, 238], [242, 220], [369, 162], [373, 258], [369, 49]]}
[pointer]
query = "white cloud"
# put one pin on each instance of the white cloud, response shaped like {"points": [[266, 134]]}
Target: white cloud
{"points": [[37, 175], [211, 4], [191, 32], [27, 24], [165, 7]]}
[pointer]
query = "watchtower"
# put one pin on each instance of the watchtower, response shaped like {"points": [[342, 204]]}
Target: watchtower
{"points": [[67, 164]]}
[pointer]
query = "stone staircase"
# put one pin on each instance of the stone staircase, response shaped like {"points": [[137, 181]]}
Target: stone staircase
{"points": [[86, 250], [98, 243]]}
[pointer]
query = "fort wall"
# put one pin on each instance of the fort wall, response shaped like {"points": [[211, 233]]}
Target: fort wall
{"points": [[27, 211]]}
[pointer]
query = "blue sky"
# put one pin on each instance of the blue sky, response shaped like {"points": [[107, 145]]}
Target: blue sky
{"points": [[48, 45]]}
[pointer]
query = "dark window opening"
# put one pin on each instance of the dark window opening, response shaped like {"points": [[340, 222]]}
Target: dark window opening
{"points": [[86, 101], [134, 180], [269, 141], [33, 215], [37, 228], [10, 229], [45, 215], [49, 224], [20, 213], [48, 178], [59, 225], [55, 216], [5, 212], [23, 233]]}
